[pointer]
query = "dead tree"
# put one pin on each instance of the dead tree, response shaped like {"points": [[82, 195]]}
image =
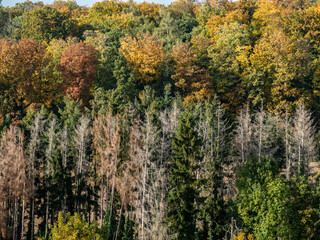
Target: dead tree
{"points": [[81, 142], [243, 136], [32, 149], [303, 141], [14, 182], [106, 141]]}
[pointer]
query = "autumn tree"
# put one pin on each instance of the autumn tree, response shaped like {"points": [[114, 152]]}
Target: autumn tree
{"points": [[193, 81], [79, 65], [275, 74], [26, 75], [144, 55]]}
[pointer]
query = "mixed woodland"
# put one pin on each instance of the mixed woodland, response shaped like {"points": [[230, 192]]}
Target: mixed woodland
{"points": [[124, 120]]}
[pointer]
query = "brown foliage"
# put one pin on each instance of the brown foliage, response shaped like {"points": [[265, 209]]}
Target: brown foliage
{"points": [[79, 65], [14, 183]]}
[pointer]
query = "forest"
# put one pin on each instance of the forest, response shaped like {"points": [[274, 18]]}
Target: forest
{"points": [[198, 120]]}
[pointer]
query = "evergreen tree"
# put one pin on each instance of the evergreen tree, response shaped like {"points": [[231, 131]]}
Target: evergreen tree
{"points": [[183, 192], [213, 130]]}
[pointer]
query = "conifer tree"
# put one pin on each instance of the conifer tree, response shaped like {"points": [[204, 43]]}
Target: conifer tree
{"points": [[213, 130], [183, 192]]}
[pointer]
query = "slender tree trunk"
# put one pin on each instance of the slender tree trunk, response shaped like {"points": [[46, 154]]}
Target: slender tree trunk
{"points": [[143, 199], [32, 215], [260, 136], [101, 204], [118, 225], [22, 220], [112, 193], [107, 196], [47, 214], [15, 220], [288, 160]]}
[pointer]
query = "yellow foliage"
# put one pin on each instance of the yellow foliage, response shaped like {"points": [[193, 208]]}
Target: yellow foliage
{"points": [[151, 10], [243, 236], [216, 21], [144, 55]]}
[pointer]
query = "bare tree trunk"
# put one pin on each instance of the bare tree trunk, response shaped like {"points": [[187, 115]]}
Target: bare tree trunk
{"points": [[112, 193], [143, 199], [118, 225], [22, 220], [32, 216], [101, 204], [15, 220], [288, 160], [47, 214]]}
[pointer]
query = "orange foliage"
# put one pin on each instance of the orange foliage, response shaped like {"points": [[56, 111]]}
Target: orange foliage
{"points": [[79, 66], [26, 71]]}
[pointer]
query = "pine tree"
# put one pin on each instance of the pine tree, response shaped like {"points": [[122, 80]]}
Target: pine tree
{"points": [[213, 130], [183, 192]]}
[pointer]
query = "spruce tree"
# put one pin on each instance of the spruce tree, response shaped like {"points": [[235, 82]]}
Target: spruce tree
{"points": [[183, 191]]}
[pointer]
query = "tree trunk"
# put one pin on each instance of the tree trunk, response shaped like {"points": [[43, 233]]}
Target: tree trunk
{"points": [[118, 226], [22, 220], [47, 214], [101, 204]]}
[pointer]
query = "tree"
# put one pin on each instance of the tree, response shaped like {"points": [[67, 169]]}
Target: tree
{"points": [[74, 228], [144, 55], [149, 203], [225, 65], [33, 149], [193, 81], [14, 182], [167, 30], [4, 17], [79, 65], [264, 201], [244, 136], [47, 23], [265, 134], [81, 143], [26, 76], [303, 141], [213, 131], [106, 140], [279, 71], [183, 193]]}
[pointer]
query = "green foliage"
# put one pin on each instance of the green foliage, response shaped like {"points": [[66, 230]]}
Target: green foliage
{"points": [[183, 191], [4, 17], [47, 23], [265, 203], [139, 60]]}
